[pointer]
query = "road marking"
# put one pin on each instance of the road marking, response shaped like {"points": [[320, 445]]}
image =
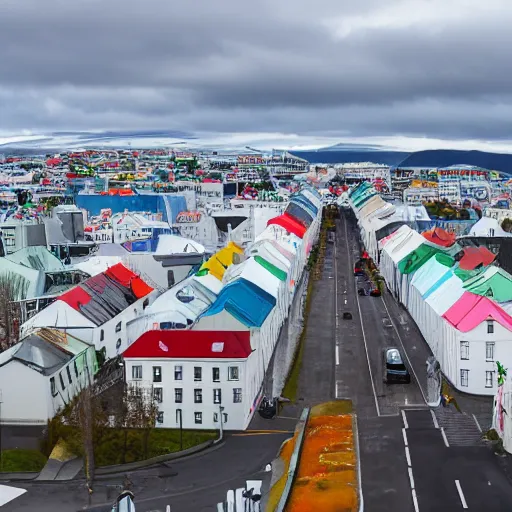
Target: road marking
{"points": [[405, 436], [411, 478], [477, 424], [336, 288], [337, 390], [345, 301], [362, 327], [415, 501], [461, 494], [337, 355], [404, 417], [434, 419], [405, 351], [444, 437], [408, 456]]}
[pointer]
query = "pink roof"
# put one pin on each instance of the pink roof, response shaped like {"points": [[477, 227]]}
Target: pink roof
{"points": [[471, 310], [177, 344]]}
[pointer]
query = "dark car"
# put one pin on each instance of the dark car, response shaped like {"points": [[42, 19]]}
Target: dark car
{"points": [[394, 367]]}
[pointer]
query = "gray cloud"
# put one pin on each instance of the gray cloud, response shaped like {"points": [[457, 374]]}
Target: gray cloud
{"points": [[419, 68]]}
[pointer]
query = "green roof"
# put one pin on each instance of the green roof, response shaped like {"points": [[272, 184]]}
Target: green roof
{"points": [[280, 274], [493, 282], [415, 259]]}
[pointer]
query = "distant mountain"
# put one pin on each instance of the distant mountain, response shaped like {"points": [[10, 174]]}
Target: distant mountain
{"points": [[334, 155], [346, 153], [446, 157]]}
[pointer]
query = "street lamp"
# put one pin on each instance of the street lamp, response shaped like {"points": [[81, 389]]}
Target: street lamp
{"points": [[179, 419], [221, 410]]}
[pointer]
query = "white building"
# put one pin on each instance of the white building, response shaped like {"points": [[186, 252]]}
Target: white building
{"points": [[208, 341], [98, 310], [41, 374]]}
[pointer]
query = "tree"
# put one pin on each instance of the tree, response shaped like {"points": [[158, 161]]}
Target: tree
{"points": [[506, 225], [13, 287]]}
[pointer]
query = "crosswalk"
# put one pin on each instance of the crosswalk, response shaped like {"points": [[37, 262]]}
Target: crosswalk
{"points": [[243, 499]]}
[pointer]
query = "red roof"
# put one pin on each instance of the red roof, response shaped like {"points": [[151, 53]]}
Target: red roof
{"points": [[440, 237], [475, 256], [128, 279], [177, 344], [76, 297], [289, 223]]}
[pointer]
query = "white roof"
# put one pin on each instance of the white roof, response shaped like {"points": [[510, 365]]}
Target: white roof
{"points": [[174, 244], [57, 314], [428, 275], [97, 264], [444, 297], [484, 226], [253, 272]]}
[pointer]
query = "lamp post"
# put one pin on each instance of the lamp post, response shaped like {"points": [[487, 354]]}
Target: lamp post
{"points": [[179, 419], [221, 410]]}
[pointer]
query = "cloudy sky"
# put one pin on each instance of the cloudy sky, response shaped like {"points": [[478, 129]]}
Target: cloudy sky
{"points": [[327, 70]]}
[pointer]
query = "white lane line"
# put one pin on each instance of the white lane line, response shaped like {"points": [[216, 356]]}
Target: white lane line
{"points": [[405, 351], [415, 501], [444, 437], [461, 494], [362, 326], [337, 355], [477, 424], [411, 478], [404, 417], [336, 287], [337, 389], [404, 432], [434, 419], [408, 456]]}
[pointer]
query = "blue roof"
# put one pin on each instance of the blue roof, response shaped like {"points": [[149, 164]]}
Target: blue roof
{"points": [[303, 200], [245, 301]]}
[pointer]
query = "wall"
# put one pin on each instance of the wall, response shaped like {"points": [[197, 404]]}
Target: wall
{"points": [[24, 394], [235, 411]]}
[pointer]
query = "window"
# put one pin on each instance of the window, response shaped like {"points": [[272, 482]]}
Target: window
{"points": [[217, 396], [145, 304], [237, 395], [102, 335], [178, 395], [186, 294], [170, 278], [198, 418], [76, 368], [157, 374], [137, 372], [197, 373], [198, 396], [464, 349], [215, 417], [69, 375], [489, 350], [118, 327], [61, 381], [490, 326], [233, 373], [489, 379], [225, 414], [464, 378], [178, 373], [160, 417], [118, 343], [216, 374], [158, 395], [52, 386]]}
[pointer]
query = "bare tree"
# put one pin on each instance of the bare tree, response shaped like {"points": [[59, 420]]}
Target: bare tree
{"points": [[13, 287], [142, 411]]}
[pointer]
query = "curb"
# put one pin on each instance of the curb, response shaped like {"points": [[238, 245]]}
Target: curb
{"points": [[358, 455], [293, 461]]}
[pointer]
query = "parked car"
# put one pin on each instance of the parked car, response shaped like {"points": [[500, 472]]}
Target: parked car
{"points": [[394, 367]]}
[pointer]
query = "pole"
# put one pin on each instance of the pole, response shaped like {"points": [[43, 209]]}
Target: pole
{"points": [[1, 457]]}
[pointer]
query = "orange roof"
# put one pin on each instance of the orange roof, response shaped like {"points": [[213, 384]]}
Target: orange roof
{"points": [[440, 237]]}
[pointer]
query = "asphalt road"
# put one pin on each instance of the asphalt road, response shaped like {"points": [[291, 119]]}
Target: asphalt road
{"points": [[193, 484], [447, 477]]}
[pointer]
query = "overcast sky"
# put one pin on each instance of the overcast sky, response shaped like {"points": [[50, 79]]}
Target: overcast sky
{"points": [[316, 68]]}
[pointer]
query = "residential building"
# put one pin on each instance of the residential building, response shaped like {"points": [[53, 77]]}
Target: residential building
{"points": [[41, 374]]}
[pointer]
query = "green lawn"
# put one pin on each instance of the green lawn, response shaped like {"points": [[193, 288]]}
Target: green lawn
{"points": [[22, 461], [120, 446]]}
